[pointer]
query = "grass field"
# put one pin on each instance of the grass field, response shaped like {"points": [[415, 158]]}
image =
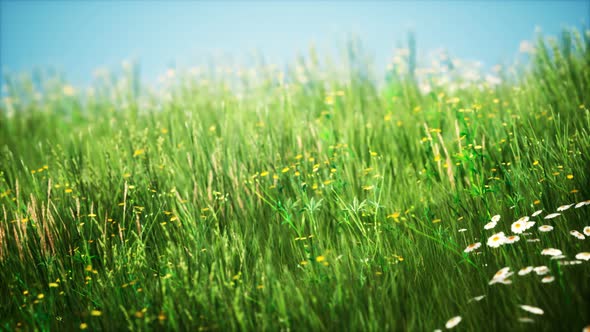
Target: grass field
{"points": [[313, 199]]}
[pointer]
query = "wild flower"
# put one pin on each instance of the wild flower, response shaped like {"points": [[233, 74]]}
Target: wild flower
{"points": [[502, 276], [551, 252], [518, 226], [490, 225], [472, 247], [587, 230], [541, 270], [496, 240], [536, 213], [453, 322], [532, 310], [548, 279], [583, 256], [545, 228], [525, 270], [552, 215], [564, 207], [573, 262], [577, 234], [476, 299], [512, 239]]}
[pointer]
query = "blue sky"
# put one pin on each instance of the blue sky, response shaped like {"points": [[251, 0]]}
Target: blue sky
{"points": [[78, 37]]}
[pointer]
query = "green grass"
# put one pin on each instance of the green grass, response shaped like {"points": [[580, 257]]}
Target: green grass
{"points": [[329, 204]]}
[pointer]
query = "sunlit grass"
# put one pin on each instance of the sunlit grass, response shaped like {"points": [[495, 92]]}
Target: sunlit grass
{"points": [[307, 199]]}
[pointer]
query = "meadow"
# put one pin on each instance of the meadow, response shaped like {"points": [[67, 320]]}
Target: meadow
{"points": [[315, 197]]}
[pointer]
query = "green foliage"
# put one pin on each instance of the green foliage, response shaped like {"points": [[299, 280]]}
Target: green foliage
{"points": [[313, 199]]}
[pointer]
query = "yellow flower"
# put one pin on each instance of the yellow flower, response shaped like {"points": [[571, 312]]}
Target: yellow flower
{"points": [[138, 152], [96, 313], [320, 259]]}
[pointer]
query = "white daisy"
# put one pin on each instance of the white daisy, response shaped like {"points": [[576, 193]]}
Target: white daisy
{"points": [[558, 257], [583, 256], [496, 240], [472, 247], [579, 205], [564, 207], [551, 252], [536, 213], [462, 230], [586, 329], [530, 224], [496, 218], [587, 230], [502, 276], [548, 279], [533, 240], [541, 270], [577, 234], [532, 310], [575, 262], [518, 226], [477, 298], [525, 270], [490, 225], [511, 239], [453, 322], [545, 228], [503, 272], [525, 218], [552, 215]]}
